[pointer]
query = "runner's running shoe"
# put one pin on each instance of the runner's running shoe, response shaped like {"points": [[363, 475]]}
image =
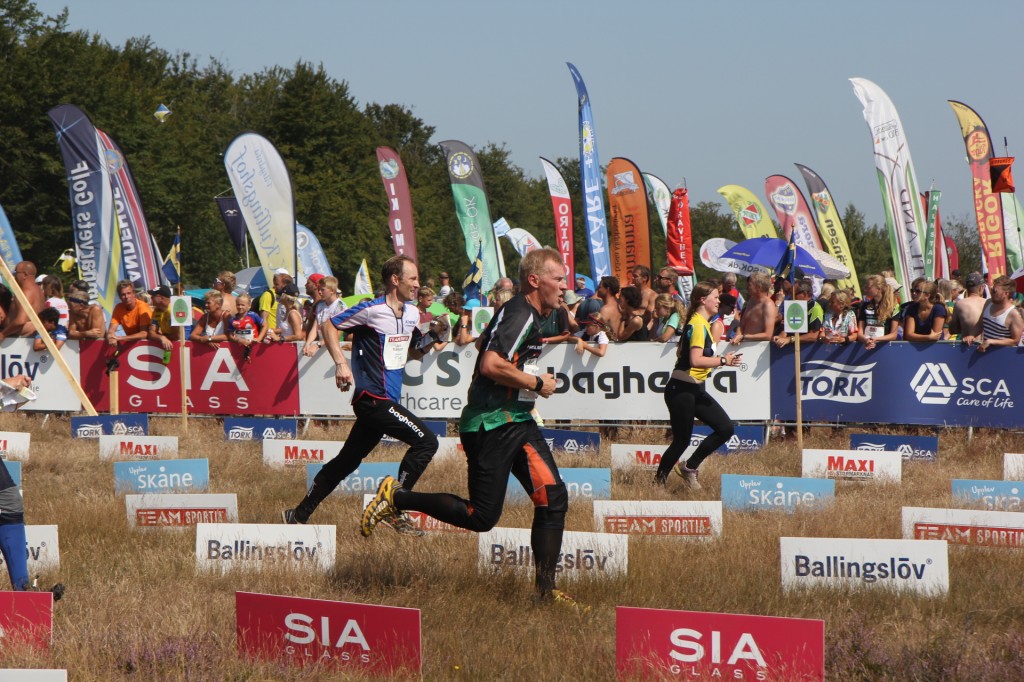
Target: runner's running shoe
{"points": [[402, 524], [561, 599], [290, 516], [381, 506], [688, 475]]}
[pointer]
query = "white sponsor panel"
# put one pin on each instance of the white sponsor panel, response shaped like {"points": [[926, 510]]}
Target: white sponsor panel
{"points": [[138, 447], [853, 465], [590, 554], [902, 565], [253, 546], [422, 521], [53, 392], [15, 445], [281, 454], [701, 520], [625, 456], [174, 510], [34, 674], [43, 549], [436, 387], [1013, 466], [976, 527], [449, 447]]}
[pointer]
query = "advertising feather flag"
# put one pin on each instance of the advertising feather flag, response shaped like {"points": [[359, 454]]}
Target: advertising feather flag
{"points": [[897, 180], [396, 186], [659, 194], [8, 243], [590, 175], [561, 204], [751, 217], [362, 286], [629, 223], [830, 225]]}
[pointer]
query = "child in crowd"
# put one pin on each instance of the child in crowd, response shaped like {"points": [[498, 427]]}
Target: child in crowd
{"points": [[840, 324], [593, 337], [50, 318], [246, 327]]}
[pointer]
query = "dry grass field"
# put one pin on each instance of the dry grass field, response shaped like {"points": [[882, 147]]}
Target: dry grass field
{"points": [[136, 609]]}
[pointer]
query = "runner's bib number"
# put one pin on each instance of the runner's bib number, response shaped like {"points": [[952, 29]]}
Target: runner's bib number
{"points": [[874, 331], [396, 350]]}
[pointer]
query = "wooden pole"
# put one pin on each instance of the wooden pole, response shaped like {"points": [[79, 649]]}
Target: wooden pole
{"points": [[799, 402], [182, 360], [50, 345]]}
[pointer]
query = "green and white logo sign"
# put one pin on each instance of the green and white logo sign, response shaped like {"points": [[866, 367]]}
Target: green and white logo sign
{"points": [[795, 317]]}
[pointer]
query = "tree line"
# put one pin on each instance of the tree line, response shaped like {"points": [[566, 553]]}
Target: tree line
{"points": [[328, 141]]}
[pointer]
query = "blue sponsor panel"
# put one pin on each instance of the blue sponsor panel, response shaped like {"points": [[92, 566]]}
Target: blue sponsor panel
{"points": [[993, 495], [365, 479], [162, 476], [110, 425], [916, 448], [247, 428], [14, 469], [573, 442], [582, 483], [755, 493], [900, 383], [747, 437]]}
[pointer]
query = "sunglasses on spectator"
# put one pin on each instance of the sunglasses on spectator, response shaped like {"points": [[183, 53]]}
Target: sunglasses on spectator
{"points": [[915, 292]]}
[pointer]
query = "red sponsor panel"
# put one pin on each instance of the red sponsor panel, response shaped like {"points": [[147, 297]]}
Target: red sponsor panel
{"points": [[374, 640], [679, 238], [428, 523], [222, 381], [26, 618], [717, 646], [650, 524], [187, 516], [959, 534], [563, 235]]}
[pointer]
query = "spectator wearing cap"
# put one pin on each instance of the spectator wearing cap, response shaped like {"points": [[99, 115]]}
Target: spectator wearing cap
{"points": [[445, 288], [85, 319], [582, 290], [160, 328], [966, 320], [131, 315], [312, 298], [289, 319], [17, 321], [1001, 322], [225, 283], [593, 337], [572, 303], [462, 334]]}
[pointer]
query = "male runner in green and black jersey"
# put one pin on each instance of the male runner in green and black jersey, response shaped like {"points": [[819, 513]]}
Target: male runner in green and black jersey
{"points": [[498, 432]]}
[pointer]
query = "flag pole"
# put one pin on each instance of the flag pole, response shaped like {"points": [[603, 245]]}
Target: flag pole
{"points": [[182, 350]]}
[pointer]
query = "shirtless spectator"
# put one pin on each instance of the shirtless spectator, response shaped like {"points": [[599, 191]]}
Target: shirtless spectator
{"points": [[225, 284], [608, 291], [329, 305], [641, 275], [966, 319], [757, 321], [17, 317], [85, 320], [1001, 323], [131, 314]]}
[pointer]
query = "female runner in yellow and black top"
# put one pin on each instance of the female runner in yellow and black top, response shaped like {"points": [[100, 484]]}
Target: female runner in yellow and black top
{"points": [[685, 394]]}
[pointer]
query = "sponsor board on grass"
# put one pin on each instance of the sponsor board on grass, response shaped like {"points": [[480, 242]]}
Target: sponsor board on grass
{"points": [[249, 428], [582, 483], [755, 493], [573, 442], [853, 465], [449, 446], [138, 447], [583, 554], [288, 453], [25, 618], [15, 445], [162, 476], [1013, 466], [34, 674], [365, 639], [912, 448], [626, 455], [170, 510], [977, 527], [365, 479], [701, 520], [228, 546], [991, 495], [14, 469], [872, 563], [658, 643], [110, 425], [43, 549]]}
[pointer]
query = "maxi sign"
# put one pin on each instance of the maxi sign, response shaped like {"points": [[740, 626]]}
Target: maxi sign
{"points": [[901, 383]]}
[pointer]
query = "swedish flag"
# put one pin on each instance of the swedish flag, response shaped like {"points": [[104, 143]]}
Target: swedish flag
{"points": [[172, 263]]}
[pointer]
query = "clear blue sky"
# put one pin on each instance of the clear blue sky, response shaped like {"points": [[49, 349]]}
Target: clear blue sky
{"points": [[719, 92]]}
